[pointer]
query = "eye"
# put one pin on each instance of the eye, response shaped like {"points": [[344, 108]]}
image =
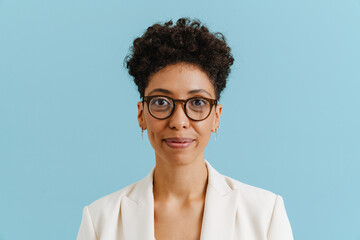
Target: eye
{"points": [[160, 104], [160, 101], [198, 102]]}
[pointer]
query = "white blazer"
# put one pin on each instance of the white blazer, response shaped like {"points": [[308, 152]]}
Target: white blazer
{"points": [[233, 210]]}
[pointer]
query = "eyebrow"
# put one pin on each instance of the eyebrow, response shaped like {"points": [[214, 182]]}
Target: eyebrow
{"points": [[162, 90], [200, 91]]}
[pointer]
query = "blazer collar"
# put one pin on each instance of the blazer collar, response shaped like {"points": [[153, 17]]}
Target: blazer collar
{"points": [[137, 209]]}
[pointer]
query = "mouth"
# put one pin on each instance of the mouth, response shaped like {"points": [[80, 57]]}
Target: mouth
{"points": [[178, 143]]}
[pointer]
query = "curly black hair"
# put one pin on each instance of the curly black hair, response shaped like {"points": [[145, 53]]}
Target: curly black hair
{"points": [[188, 41]]}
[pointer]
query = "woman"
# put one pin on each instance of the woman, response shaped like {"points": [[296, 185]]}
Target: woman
{"points": [[180, 71]]}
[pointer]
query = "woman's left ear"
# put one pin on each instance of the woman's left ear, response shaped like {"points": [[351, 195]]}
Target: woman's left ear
{"points": [[216, 123]]}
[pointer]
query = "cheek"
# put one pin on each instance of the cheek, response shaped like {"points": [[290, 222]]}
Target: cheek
{"points": [[209, 122], [154, 127], [204, 128]]}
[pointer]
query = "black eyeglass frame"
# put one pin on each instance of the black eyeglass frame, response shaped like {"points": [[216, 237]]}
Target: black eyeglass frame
{"points": [[148, 99]]}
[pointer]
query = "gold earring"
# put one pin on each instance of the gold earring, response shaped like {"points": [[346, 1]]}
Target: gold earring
{"points": [[216, 132]]}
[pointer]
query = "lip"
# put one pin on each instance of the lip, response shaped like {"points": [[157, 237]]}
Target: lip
{"points": [[178, 143]]}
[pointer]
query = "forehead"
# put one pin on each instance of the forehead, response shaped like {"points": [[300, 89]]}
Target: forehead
{"points": [[180, 79]]}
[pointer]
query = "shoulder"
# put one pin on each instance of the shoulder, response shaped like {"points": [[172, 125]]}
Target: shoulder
{"points": [[251, 200], [251, 197], [110, 201], [260, 208], [110, 204], [249, 191], [102, 212], [246, 193]]}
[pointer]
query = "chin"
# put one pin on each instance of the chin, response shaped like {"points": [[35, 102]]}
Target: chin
{"points": [[179, 159]]}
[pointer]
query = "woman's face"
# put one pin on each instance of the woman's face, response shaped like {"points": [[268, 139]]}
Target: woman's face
{"points": [[178, 139]]}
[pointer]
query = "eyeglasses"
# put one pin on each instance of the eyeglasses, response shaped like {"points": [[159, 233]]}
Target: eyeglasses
{"points": [[195, 108]]}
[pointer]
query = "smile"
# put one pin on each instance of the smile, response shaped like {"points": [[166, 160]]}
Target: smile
{"points": [[178, 143]]}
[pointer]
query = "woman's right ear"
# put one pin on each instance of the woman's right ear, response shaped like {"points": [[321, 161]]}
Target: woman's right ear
{"points": [[140, 116]]}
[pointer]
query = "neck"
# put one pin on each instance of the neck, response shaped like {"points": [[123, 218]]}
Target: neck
{"points": [[182, 183]]}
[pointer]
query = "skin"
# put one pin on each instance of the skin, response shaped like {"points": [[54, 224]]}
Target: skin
{"points": [[180, 176]]}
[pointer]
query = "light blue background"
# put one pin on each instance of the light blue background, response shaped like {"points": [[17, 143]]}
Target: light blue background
{"points": [[68, 128]]}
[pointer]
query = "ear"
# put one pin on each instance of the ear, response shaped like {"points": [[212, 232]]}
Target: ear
{"points": [[140, 117], [216, 123]]}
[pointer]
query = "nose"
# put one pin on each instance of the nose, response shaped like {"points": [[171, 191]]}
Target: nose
{"points": [[178, 120]]}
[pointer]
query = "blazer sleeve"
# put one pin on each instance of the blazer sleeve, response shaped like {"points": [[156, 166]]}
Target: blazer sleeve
{"points": [[279, 228], [86, 231]]}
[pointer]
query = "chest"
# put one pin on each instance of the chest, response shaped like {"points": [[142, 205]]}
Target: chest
{"points": [[173, 222]]}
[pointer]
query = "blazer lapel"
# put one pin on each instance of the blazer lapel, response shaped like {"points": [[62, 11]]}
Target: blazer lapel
{"points": [[137, 211], [220, 208]]}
